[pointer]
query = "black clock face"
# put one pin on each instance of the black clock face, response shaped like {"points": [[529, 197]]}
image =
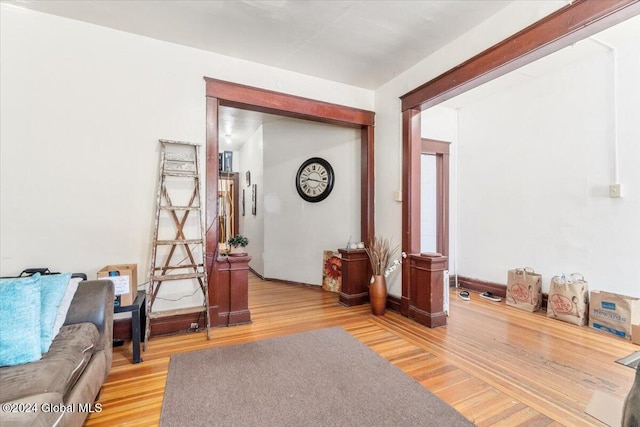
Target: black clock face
{"points": [[314, 180]]}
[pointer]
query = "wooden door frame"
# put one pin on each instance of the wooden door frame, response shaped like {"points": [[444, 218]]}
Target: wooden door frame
{"points": [[222, 93], [440, 149], [568, 25]]}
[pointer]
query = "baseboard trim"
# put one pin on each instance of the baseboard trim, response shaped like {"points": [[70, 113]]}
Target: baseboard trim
{"points": [[289, 282], [478, 285], [354, 299], [256, 273], [393, 303], [430, 320], [122, 327]]}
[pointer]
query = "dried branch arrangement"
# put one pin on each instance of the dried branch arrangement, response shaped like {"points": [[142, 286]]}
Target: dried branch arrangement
{"points": [[380, 255]]}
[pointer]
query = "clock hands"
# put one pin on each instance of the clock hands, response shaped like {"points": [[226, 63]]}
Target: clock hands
{"points": [[310, 179]]}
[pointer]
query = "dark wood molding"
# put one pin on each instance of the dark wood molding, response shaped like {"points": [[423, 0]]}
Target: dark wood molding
{"points": [[232, 296], [442, 204], [434, 146], [176, 324], [566, 26], [393, 303], [480, 286], [426, 300], [477, 285], [122, 329], [267, 101], [576, 21], [356, 272], [211, 210], [440, 149], [411, 196], [255, 273], [367, 185], [222, 93], [290, 282]]}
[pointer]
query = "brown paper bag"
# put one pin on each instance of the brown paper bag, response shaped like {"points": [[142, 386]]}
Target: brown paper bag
{"points": [[524, 289], [569, 299], [614, 313]]}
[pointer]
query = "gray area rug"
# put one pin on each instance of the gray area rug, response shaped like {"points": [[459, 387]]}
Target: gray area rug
{"points": [[319, 378]]}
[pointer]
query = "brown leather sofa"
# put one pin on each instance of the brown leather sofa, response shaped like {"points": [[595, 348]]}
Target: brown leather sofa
{"points": [[61, 388]]}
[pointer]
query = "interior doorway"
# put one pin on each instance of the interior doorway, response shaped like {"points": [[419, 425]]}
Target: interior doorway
{"points": [[226, 94], [434, 196], [560, 29]]}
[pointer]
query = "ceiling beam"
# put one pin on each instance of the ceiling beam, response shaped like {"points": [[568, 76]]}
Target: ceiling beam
{"points": [[265, 101], [568, 25]]}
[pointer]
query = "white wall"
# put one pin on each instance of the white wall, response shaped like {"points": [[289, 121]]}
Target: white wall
{"points": [[388, 133], [296, 231], [252, 226], [535, 162], [82, 108]]}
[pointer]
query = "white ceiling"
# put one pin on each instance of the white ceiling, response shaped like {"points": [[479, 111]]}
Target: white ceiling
{"points": [[360, 43], [356, 42]]}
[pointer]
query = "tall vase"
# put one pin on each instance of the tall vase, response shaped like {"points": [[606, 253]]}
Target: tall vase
{"points": [[378, 295]]}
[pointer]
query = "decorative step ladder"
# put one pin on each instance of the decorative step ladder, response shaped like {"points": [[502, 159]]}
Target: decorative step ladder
{"points": [[176, 234]]}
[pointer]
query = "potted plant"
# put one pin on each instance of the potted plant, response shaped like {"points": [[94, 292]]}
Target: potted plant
{"points": [[382, 263], [237, 244]]}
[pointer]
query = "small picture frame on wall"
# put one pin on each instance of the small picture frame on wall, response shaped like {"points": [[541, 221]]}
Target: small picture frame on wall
{"points": [[254, 196], [242, 204], [247, 178]]}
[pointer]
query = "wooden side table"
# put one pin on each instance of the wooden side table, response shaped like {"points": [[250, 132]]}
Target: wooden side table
{"points": [[137, 322]]}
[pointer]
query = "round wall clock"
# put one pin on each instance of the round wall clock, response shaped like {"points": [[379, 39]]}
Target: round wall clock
{"points": [[314, 180]]}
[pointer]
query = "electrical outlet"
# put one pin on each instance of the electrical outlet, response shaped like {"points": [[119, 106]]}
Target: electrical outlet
{"points": [[194, 326]]}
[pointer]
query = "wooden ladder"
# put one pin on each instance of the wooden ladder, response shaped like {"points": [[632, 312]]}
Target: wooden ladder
{"points": [[179, 175]]}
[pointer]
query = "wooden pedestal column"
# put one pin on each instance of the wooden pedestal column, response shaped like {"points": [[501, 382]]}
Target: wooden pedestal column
{"points": [[231, 301], [426, 305], [356, 273]]}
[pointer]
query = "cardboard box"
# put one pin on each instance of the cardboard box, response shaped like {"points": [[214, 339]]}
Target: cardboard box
{"points": [[635, 334], [125, 280], [614, 313], [606, 408]]}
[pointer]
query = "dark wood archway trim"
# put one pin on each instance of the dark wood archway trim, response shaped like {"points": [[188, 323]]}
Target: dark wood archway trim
{"points": [[566, 26], [410, 205], [221, 93], [267, 101]]}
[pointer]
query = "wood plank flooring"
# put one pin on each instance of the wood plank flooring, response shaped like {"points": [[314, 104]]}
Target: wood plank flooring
{"points": [[496, 365]]}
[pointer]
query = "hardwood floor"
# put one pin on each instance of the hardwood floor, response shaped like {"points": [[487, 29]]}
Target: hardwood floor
{"points": [[496, 365]]}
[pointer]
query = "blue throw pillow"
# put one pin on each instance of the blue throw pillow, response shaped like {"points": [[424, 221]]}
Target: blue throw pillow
{"points": [[52, 289], [19, 320]]}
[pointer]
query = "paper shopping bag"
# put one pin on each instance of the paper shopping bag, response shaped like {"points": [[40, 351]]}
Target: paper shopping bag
{"points": [[524, 289], [614, 313], [569, 299]]}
